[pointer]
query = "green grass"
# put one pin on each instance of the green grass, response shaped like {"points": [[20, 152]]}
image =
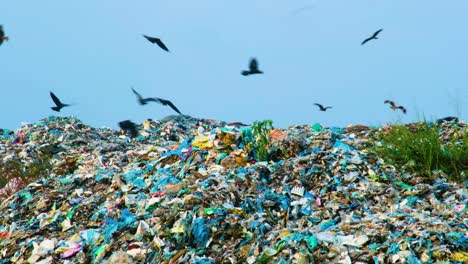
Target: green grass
{"points": [[261, 131], [421, 149]]}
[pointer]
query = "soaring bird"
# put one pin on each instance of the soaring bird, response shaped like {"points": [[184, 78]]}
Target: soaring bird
{"points": [[157, 41], [59, 105], [253, 68], [322, 108], [394, 107], [129, 126], [372, 37], [144, 101], [2, 35], [168, 103]]}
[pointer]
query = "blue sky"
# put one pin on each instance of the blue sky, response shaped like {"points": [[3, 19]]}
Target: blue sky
{"points": [[91, 52]]}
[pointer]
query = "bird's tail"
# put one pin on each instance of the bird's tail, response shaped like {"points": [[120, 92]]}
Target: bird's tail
{"points": [[245, 73]]}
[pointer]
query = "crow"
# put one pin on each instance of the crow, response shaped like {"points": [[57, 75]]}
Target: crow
{"points": [[168, 103], [157, 41], [59, 105], [129, 126], [372, 37], [394, 107], [2, 35], [253, 68], [322, 108], [144, 101]]}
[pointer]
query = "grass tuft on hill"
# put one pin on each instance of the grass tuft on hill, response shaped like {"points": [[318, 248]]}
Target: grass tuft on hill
{"points": [[420, 149]]}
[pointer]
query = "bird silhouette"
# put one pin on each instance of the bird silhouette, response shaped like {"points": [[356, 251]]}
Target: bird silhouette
{"points": [[168, 103], [2, 35], [372, 37], [129, 126], [394, 107], [157, 41], [253, 68], [58, 103], [144, 101], [322, 108]]}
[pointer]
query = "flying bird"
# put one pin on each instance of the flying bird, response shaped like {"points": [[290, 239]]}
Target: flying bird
{"points": [[253, 68], [2, 35], [394, 107], [129, 126], [322, 108], [157, 41], [144, 101], [58, 103], [168, 103], [372, 37]]}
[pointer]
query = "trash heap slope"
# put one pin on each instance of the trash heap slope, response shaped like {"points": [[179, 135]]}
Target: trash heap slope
{"points": [[189, 190]]}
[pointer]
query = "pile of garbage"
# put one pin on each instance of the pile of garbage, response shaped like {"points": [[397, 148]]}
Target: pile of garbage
{"points": [[189, 190]]}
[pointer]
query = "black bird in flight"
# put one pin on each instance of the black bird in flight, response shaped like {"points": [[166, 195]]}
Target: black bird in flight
{"points": [[2, 35], [144, 101], [59, 105], [168, 103], [372, 37], [253, 68], [157, 41], [129, 126], [394, 107], [322, 108]]}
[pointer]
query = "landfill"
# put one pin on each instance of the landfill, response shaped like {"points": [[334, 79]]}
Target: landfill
{"points": [[188, 190]]}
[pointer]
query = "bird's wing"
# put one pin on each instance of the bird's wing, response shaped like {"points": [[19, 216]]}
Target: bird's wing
{"points": [[377, 33], [123, 124], [150, 39], [151, 100], [2, 33], [55, 99], [169, 103], [161, 45], [390, 102], [328, 107], [253, 64], [128, 125], [137, 94], [319, 105], [402, 109], [365, 41]]}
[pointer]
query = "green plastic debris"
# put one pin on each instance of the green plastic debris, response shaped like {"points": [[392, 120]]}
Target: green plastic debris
{"points": [[404, 185]]}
